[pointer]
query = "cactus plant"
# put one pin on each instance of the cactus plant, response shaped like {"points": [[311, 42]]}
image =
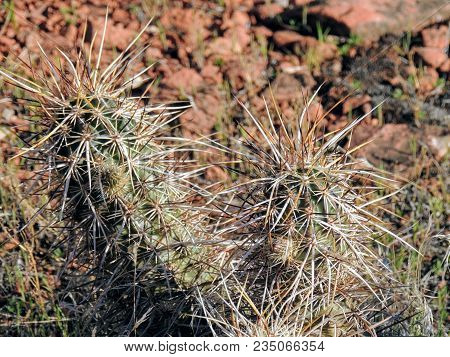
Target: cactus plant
{"points": [[121, 186], [304, 258]]}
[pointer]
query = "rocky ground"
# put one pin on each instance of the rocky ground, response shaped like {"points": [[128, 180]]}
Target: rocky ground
{"points": [[214, 53]]}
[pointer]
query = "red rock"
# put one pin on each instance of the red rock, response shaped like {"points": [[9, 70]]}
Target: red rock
{"points": [[249, 71], [185, 79], [36, 15], [428, 81], [11, 33], [54, 19], [72, 34], [238, 19], [445, 67], [211, 74], [315, 112], [326, 51], [31, 42], [120, 15], [362, 133], [392, 143], [238, 35], [237, 28], [285, 38], [223, 47], [178, 23], [183, 56], [355, 102], [168, 66], [371, 19], [119, 36], [201, 118], [433, 56], [436, 37], [436, 41], [390, 146], [257, 104], [135, 26], [262, 31], [98, 2], [7, 243], [269, 10], [153, 53], [276, 56], [115, 36], [285, 87], [367, 107]]}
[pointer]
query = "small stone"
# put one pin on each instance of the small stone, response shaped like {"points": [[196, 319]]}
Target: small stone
{"points": [[326, 51], [285, 87], [436, 41], [436, 37], [120, 15], [355, 102], [54, 19], [185, 79], [433, 56], [428, 81], [262, 31], [315, 112], [268, 11], [285, 38], [239, 35], [238, 19], [211, 74], [391, 144], [153, 53], [31, 42], [119, 36], [222, 47], [201, 118]]}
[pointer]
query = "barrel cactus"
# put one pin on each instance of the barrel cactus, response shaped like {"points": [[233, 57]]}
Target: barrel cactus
{"points": [[304, 258], [119, 185]]}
